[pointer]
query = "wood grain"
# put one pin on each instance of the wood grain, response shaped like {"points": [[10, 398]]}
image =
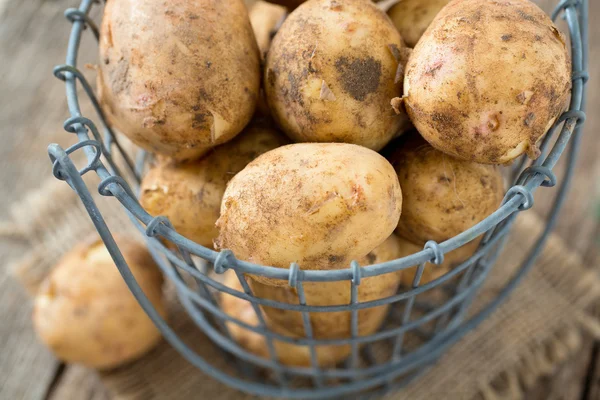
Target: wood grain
{"points": [[79, 383], [26, 367], [33, 36]]}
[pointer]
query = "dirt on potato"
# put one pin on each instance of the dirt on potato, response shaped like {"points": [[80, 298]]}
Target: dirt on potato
{"points": [[164, 80], [488, 79], [330, 74]]}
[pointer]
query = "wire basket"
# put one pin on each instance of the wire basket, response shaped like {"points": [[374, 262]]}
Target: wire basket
{"points": [[437, 323]]}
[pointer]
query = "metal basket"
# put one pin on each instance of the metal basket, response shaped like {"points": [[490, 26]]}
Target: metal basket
{"points": [[438, 323]]}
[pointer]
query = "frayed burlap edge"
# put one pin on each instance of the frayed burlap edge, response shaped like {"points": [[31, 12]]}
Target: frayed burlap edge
{"points": [[558, 278], [542, 358]]}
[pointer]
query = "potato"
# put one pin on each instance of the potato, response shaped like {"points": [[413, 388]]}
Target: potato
{"points": [[190, 194], [264, 18], [412, 17], [443, 196], [488, 79], [320, 205], [287, 353], [433, 271], [85, 313], [331, 73], [336, 325], [174, 77]]}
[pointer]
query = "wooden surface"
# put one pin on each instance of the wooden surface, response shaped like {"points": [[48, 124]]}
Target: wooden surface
{"points": [[33, 35]]}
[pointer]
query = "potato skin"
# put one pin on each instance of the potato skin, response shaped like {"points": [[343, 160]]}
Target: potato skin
{"points": [[164, 83], [85, 313], [287, 353], [443, 196], [488, 79], [318, 204], [330, 74], [412, 17], [264, 18], [190, 194], [336, 325]]}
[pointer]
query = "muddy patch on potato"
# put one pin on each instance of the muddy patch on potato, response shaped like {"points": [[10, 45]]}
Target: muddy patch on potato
{"points": [[360, 76], [294, 91], [371, 258], [119, 76], [333, 259]]}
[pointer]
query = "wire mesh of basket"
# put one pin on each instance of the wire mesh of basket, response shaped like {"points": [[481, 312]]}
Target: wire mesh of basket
{"points": [[419, 327]]}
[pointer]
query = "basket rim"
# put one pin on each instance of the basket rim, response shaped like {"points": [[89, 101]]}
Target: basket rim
{"points": [[519, 196]]}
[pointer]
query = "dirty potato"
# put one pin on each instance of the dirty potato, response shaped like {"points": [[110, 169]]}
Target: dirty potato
{"points": [[190, 193], [165, 81], [265, 17], [443, 196], [287, 353], [331, 325], [320, 205], [85, 313], [488, 79], [332, 71], [412, 17]]}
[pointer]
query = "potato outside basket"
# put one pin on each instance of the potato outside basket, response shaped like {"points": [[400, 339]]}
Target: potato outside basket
{"points": [[438, 322]]}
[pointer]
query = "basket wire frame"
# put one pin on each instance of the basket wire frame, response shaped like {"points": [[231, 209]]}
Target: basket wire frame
{"points": [[439, 325]]}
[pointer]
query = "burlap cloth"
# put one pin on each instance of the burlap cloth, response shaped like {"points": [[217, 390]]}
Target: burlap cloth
{"points": [[537, 328]]}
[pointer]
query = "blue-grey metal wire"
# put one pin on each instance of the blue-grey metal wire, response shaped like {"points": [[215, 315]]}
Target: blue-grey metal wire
{"points": [[374, 377]]}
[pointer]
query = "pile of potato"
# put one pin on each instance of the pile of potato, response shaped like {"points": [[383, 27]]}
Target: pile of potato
{"points": [[218, 92]]}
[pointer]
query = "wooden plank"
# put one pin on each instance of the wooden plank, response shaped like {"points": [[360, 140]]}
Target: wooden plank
{"points": [[33, 38], [26, 367], [79, 383]]}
